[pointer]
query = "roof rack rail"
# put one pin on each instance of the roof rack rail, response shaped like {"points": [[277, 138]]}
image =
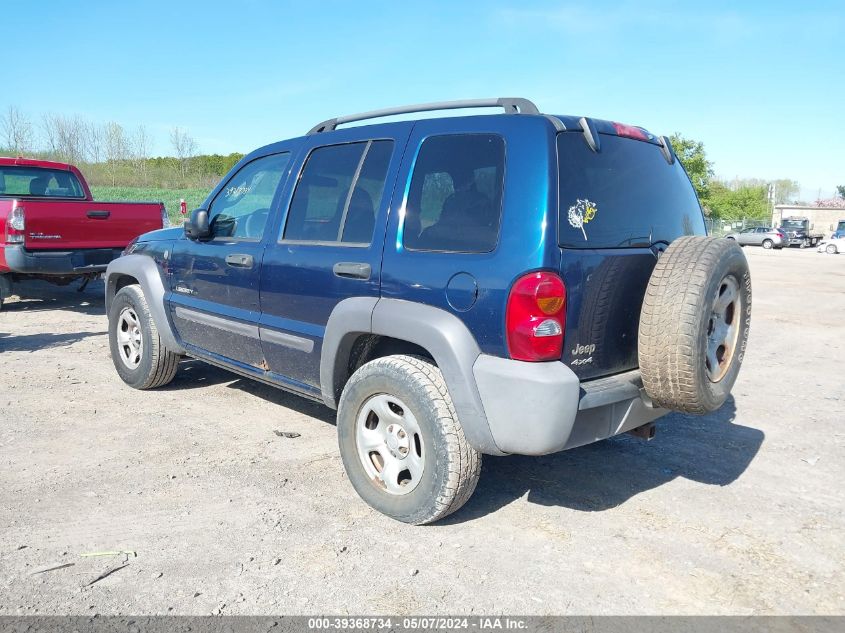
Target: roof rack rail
{"points": [[511, 105]]}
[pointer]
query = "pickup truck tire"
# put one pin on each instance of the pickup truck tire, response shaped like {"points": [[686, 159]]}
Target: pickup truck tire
{"points": [[396, 417], [129, 318], [694, 324], [5, 289]]}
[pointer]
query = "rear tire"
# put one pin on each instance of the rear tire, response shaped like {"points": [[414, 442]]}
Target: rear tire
{"points": [[139, 356], [768, 244], [402, 445], [831, 248], [694, 324]]}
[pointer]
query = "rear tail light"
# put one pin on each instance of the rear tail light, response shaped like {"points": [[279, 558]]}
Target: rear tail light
{"points": [[536, 317], [165, 219], [630, 131], [780, 235], [15, 225]]}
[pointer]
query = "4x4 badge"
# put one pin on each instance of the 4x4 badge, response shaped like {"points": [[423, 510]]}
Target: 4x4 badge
{"points": [[581, 213]]}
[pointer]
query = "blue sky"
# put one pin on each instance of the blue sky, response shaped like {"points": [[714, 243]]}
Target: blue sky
{"points": [[762, 84]]}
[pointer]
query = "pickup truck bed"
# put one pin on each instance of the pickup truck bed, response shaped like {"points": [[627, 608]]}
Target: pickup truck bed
{"points": [[52, 228]]}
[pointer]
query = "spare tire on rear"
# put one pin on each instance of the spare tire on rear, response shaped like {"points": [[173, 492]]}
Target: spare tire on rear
{"points": [[694, 324]]}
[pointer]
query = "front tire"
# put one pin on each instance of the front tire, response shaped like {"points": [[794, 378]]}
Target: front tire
{"points": [[831, 248], [139, 356], [402, 445]]}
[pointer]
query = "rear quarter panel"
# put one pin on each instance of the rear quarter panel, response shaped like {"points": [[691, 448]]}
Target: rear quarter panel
{"points": [[527, 238]]}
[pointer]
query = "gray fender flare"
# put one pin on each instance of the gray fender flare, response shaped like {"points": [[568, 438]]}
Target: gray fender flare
{"points": [[145, 270], [444, 335]]}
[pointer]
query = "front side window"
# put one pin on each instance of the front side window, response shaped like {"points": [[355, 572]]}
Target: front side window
{"points": [[339, 193], [241, 208], [21, 181], [455, 198]]}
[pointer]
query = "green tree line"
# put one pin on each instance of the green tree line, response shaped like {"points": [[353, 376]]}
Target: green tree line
{"points": [[730, 201]]}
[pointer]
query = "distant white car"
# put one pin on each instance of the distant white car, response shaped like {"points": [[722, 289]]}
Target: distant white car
{"points": [[832, 245]]}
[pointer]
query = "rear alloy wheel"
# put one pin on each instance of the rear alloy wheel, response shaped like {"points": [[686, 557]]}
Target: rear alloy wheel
{"points": [[694, 324], [402, 445], [831, 248], [768, 243]]}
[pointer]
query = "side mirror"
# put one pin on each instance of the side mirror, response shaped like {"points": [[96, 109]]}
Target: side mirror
{"points": [[198, 228]]}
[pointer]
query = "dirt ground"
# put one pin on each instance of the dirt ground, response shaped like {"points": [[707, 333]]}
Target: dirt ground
{"points": [[738, 512]]}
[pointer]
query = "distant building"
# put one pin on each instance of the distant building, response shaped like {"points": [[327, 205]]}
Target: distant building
{"points": [[822, 219]]}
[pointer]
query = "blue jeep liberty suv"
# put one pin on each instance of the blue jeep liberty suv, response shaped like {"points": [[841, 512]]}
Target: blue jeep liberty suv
{"points": [[499, 283]]}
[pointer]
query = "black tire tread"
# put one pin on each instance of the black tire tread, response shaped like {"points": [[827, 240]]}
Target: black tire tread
{"points": [[463, 461], [670, 322], [164, 363]]}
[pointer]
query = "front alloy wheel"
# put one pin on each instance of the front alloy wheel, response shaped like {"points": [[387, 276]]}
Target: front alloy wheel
{"points": [[129, 339]]}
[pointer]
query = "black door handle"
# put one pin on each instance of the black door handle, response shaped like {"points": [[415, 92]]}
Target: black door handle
{"points": [[239, 260], [98, 215], [352, 270]]}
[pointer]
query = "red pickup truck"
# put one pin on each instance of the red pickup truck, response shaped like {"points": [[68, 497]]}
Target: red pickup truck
{"points": [[51, 228]]}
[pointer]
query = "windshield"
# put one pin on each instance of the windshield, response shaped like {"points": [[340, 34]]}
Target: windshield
{"points": [[20, 181], [792, 224], [622, 196]]}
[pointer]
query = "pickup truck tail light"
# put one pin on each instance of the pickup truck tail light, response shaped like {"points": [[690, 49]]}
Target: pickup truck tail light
{"points": [[165, 219], [536, 317], [15, 225]]}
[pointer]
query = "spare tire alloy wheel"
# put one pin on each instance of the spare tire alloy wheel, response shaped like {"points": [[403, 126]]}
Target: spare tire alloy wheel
{"points": [[723, 329], [694, 324]]}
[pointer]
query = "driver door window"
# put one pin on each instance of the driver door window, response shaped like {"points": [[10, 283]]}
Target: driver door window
{"points": [[241, 208]]}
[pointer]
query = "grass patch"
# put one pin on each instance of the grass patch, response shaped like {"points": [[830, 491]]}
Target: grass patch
{"points": [[170, 198]]}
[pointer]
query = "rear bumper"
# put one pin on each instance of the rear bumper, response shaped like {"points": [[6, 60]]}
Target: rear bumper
{"points": [[539, 408], [76, 262]]}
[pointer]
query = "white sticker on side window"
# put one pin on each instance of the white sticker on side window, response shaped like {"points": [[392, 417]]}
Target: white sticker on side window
{"points": [[581, 213]]}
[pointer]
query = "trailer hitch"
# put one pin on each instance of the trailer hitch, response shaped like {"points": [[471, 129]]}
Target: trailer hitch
{"points": [[645, 432]]}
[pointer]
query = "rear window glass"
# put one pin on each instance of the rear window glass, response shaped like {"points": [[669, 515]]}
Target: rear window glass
{"points": [[455, 199], [36, 181], [625, 195]]}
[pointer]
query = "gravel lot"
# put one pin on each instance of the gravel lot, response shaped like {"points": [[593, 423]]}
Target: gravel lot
{"points": [[738, 512]]}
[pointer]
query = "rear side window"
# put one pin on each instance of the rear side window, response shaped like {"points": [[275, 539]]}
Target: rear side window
{"points": [[625, 195], [39, 182], [339, 193], [455, 198]]}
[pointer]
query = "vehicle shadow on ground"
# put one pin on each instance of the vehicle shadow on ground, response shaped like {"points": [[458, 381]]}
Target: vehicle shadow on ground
{"points": [[36, 342], [709, 449], [194, 374], [39, 296]]}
